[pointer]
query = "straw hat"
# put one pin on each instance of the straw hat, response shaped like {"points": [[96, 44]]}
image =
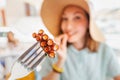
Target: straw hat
{"points": [[51, 11]]}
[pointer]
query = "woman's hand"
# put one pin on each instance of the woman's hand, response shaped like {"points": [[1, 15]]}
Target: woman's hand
{"points": [[62, 52]]}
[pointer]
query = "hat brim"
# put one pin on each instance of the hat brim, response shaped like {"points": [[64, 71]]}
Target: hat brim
{"points": [[51, 11]]}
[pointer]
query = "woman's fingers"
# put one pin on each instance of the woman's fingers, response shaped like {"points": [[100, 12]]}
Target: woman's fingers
{"points": [[61, 40], [64, 41]]}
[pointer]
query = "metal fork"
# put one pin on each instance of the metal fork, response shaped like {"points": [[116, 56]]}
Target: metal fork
{"points": [[28, 61]]}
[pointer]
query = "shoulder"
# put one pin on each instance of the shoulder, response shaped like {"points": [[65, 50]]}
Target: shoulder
{"points": [[106, 51], [104, 48]]}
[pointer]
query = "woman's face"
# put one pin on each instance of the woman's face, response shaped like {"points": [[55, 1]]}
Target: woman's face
{"points": [[74, 23]]}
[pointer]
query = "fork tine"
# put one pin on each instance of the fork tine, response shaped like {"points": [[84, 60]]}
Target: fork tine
{"points": [[38, 61], [34, 57], [30, 55], [27, 51]]}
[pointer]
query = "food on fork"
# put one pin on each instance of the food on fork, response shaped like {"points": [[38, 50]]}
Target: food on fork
{"points": [[45, 37], [43, 44], [40, 32], [34, 35], [38, 38], [46, 43], [51, 54], [50, 42]]}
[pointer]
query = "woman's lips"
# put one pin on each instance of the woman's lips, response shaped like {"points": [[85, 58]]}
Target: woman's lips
{"points": [[71, 34]]}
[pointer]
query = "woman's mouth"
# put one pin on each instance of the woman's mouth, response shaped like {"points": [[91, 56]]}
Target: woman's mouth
{"points": [[71, 34]]}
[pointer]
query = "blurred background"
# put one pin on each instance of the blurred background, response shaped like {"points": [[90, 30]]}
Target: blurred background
{"points": [[22, 18]]}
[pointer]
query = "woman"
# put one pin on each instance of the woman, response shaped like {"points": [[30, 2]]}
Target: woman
{"points": [[82, 54]]}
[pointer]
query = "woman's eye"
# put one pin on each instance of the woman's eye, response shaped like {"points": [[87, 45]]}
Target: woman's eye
{"points": [[77, 17], [64, 19]]}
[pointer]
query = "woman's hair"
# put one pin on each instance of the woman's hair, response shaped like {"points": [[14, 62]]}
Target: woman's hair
{"points": [[91, 44]]}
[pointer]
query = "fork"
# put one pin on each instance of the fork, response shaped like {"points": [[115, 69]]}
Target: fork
{"points": [[34, 56], [27, 62]]}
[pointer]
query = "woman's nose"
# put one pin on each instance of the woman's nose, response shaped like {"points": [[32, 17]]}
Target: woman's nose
{"points": [[69, 26]]}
